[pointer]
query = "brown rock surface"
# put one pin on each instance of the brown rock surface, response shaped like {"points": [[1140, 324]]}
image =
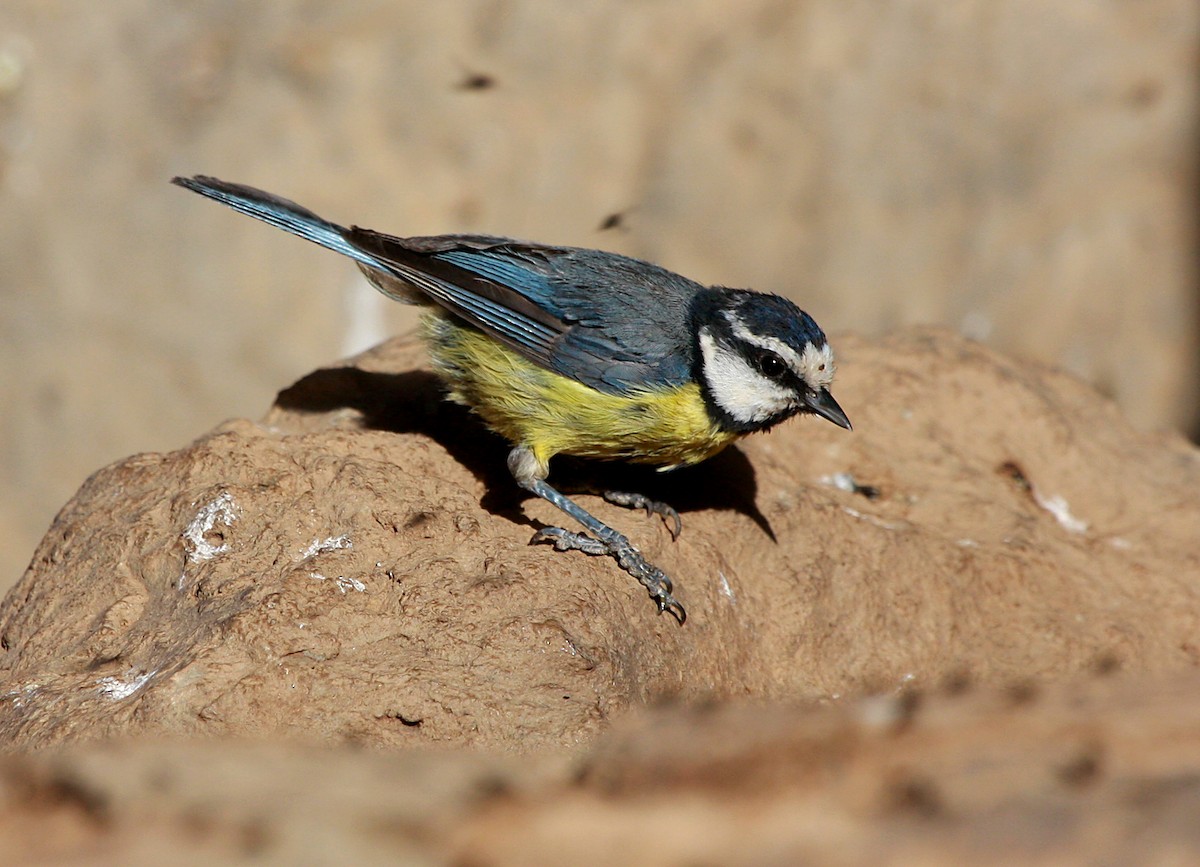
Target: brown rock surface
{"points": [[356, 567], [894, 653]]}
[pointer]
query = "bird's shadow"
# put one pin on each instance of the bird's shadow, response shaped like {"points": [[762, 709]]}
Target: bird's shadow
{"points": [[414, 402]]}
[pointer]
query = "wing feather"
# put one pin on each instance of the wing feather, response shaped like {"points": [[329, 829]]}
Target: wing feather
{"points": [[613, 323]]}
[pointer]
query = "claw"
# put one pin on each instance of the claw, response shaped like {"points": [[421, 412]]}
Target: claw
{"points": [[669, 604], [652, 507], [565, 540]]}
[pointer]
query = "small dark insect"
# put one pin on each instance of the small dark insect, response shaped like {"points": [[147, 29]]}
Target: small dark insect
{"points": [[477, 81], [615, 220]]}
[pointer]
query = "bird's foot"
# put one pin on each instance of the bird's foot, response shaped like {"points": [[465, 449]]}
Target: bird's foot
{"points": [[653, 507], [657, 584], [565, 540]]}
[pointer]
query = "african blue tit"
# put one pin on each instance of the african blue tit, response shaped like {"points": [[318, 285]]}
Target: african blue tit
{"points": [[564, 350]]}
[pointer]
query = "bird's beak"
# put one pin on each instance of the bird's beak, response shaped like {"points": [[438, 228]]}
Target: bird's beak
{"points": [[822, 403]]}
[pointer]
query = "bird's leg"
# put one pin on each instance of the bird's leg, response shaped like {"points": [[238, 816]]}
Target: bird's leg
{"points": [[653, 507], [603, 541], [665, 511]]}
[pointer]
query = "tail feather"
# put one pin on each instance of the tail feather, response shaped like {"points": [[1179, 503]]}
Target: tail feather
{"points": [[278, 212]]}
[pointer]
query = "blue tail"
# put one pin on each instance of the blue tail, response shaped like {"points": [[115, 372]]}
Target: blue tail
{"points": [[279, 212]]}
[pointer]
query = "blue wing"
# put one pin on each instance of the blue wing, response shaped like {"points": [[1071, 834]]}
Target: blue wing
{"points": [[614, 323], [625, 324]]}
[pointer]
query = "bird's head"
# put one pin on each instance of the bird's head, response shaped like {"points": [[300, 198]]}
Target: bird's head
{"points": [[761, 359]]}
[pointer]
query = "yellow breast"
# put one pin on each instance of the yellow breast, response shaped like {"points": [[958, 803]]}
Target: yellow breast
{"points": [[552, 414]]}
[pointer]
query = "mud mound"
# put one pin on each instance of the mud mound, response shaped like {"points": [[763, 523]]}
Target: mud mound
{"points": [[355, 567]]}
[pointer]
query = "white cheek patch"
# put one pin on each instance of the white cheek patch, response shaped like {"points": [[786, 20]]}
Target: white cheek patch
{"points": [[738, 388]]}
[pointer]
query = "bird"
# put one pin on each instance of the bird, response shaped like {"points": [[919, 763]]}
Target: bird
{"points": [[573, 351]]}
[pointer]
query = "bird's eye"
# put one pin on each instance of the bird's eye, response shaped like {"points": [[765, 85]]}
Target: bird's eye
{"points": [[771, 365]]}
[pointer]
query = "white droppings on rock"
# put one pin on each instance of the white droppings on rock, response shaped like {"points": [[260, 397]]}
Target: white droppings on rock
{"points": [[323, 546], [874, 521], [223, 510], [119, 689], [21, 694], [343, 583], [726, 588], [1058, 507], [842, 481]]}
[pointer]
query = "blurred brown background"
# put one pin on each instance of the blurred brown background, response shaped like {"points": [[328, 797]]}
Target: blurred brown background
{"points": [[1023, 172]]}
